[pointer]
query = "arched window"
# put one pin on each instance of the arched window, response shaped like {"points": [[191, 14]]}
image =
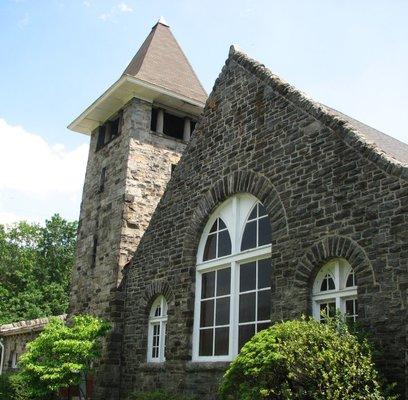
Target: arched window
{"points": [[335, 289], [157, 331], [233, 288]]}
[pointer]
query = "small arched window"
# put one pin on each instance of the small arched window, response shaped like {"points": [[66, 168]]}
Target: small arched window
{"points": [[233, 281], [335, 290], [157, 331]]}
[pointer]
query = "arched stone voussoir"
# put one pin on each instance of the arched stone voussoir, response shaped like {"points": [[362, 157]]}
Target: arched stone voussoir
{"points": [[328, 248], [153, 290]]}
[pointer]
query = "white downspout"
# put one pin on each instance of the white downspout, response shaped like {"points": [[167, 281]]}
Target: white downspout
{"points": [[2, 356]]}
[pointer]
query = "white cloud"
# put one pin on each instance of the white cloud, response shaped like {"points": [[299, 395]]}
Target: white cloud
{"points": [[31, 166], [123, 7], [115, 11], [23, 22], [87, 3]]}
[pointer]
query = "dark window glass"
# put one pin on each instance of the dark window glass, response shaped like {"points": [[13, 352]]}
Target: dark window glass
{"points": [[221, 224], [224, 244], [249, 236], [265, 234], [264, 305], [114, 128], [253, 214], [331, 283], [221, 341], [223, 311], [261, 210], [264, 273], [323, 286], [350, 307], [214, 227], [223, 281], [208, 285], [247, 277], [263, 326], [245, 332], [207, 313], [153, 121], [247, 307], [350, 280], [206, 342], [101, 137], [210, 247], [173, 126]]}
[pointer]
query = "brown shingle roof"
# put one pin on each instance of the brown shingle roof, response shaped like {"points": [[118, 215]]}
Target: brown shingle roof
{"points": [[161, 61]]}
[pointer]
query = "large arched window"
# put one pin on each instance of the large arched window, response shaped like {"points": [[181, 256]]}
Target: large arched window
{"points": [[157, 331], [233, 288], [335, 289]]}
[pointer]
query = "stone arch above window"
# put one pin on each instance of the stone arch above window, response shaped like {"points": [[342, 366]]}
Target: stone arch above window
{"points": [[334, 247], [152, 291]]}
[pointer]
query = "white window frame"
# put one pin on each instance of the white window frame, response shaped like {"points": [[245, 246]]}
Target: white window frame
{"points": [[234, 212], [161, 322], [339, 269]]}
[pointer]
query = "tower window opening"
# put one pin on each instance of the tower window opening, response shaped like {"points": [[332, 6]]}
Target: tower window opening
{"points": [[108, 131], [169, 124]]}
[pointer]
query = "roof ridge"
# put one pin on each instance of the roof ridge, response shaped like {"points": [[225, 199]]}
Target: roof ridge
{"points": [[349, 134]]}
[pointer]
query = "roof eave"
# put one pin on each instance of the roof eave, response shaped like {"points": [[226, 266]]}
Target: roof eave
{"points": [[123, 90]]}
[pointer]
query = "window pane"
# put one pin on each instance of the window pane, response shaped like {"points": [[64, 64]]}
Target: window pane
{"points": [[208, 285], [221, 341], [331, 283], [350, 280], [350, 309], [224, 244], [261, 210], [214, 227], [247, 307], [223, 281], [223, 311], [206, 342], [210, 246], [265, 235], [207, 313], [264, 273], [245, 332], [264, 305], [261, 327], [221, 224], [247, 277], [249, 236], [253, 214]]}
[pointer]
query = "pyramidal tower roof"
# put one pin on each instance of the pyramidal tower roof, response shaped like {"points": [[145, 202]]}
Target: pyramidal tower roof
{"points": [[159, 72], [161, 61]]}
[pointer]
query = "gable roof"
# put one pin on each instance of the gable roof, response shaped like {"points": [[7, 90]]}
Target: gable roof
{"points": [[389, 153], [161, 61]]}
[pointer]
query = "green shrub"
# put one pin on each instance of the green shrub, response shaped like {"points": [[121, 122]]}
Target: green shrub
{"points": [[303, 360], [157, 395], [12, 387]]}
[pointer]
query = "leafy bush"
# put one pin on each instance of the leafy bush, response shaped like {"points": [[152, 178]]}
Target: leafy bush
{"points": [[12, 387], [157, 395], [61, 355], [303, 360]]}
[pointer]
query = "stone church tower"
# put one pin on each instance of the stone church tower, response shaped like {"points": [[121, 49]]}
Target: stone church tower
{"points": [[139, 128]]}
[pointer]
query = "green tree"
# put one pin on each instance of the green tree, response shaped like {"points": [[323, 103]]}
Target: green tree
{"points": [[303, 360], [61, 356], [35, 268]]}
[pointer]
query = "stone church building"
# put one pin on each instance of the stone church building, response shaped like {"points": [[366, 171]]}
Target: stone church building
{"points": [[204, 220]]}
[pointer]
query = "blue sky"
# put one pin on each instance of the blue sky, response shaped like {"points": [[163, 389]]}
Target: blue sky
{"points": [[59, 55]]}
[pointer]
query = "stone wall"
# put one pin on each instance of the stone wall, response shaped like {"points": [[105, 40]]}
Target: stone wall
{"points": [[328, 194], [112, 221]]}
